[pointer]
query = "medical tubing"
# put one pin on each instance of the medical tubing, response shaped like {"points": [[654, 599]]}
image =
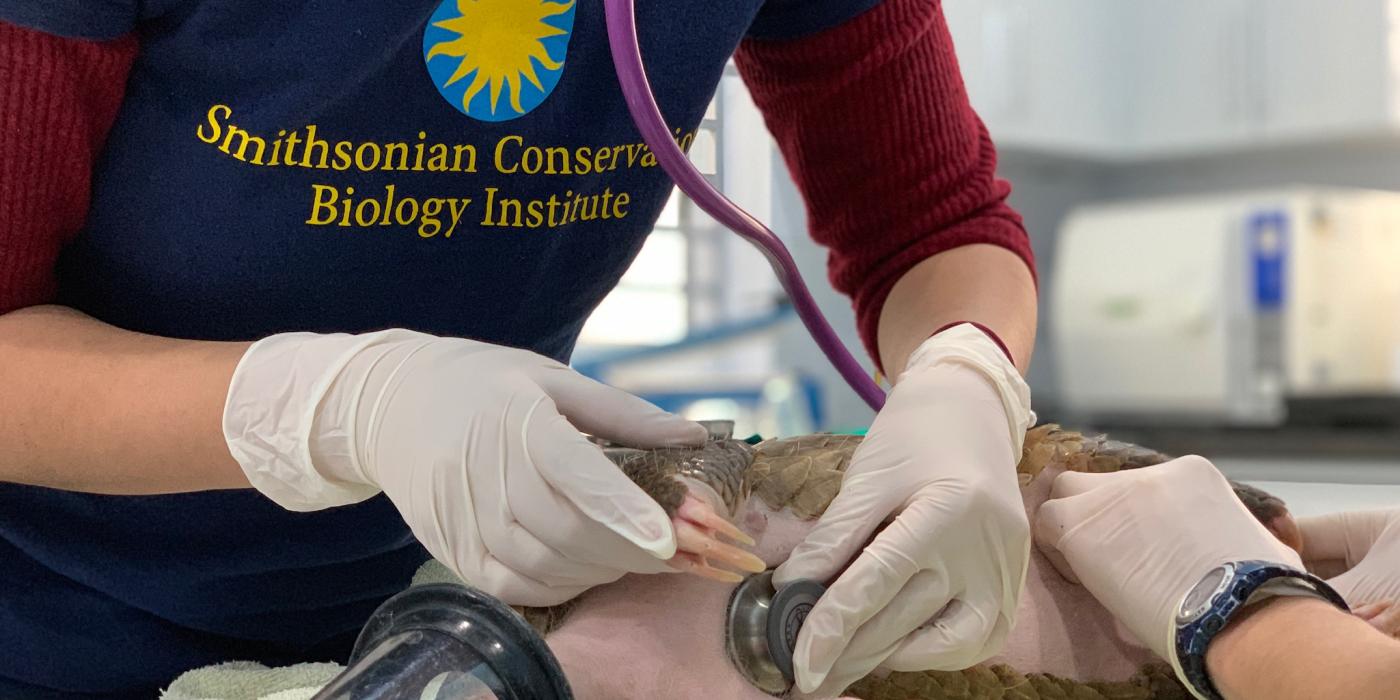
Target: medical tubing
{"points": [[631, 73]]}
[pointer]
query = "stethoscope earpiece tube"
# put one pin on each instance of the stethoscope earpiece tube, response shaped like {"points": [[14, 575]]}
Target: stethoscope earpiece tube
{"points": [[636, 89]]}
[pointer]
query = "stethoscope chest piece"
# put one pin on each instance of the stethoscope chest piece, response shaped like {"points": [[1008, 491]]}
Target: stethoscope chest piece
{"points": [[762, 626]]}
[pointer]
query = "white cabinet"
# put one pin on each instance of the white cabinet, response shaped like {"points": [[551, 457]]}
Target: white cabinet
{"points": [[984, 33], [1325, 67], [1033, 75], [1120, 80], [1191, 67]]}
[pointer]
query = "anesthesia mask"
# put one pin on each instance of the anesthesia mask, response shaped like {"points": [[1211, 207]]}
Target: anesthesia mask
{"points": [[446, 641]]}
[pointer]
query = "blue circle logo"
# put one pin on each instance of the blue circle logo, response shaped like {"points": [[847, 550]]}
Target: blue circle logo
{"points": [[496, 60]]}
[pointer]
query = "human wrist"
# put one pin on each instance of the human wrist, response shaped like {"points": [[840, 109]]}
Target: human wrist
{"points": [[290, 416], [1249, 644], [966, 346], [985, 330], [1256, 655]]}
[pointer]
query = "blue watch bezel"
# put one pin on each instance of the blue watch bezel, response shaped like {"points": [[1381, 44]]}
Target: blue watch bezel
{"points": [[1246, 576]]}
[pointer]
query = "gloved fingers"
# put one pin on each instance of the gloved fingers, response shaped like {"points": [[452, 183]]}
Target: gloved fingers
{"points": [[472, 561], [922, 597], [1061, 565], [527, 526], [1370, 610], [568, 549], [1384, 616], [862, 591], [615, 415], [1167, 476], [1344, 537], [840, 534], [1037, 492], [1058, 518], [582, 550], [1035, 495], [579, 471], [967, 632], [1388, 621], [1069, 483], [1077, 500]]}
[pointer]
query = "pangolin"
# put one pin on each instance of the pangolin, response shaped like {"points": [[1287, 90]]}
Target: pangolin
{"points": [[1064, 645]]}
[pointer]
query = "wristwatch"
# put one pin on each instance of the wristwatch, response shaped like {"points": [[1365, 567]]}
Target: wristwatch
{"points": [[1218, 597]]}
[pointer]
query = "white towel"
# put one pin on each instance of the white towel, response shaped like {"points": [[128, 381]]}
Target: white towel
{"points": [[245, 680], [434, 571]]}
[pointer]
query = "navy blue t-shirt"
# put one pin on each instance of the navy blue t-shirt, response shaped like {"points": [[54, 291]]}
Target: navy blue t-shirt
{"points": [[464, 168]]}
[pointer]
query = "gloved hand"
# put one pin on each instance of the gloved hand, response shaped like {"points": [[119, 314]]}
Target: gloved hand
{"points": [[470, 441], [1362, 549], [938, 587], [1140, 539]]}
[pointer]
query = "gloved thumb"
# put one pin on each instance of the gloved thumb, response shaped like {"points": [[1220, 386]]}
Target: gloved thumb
{"points": [[1069, 483], [1049, 525], [1037, 492], [578, 470], [615, 415], [1340, 541]]}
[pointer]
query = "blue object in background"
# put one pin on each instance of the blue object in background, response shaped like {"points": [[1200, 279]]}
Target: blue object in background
{"points": [[1268, 248], [677, 401], [598, 364]]}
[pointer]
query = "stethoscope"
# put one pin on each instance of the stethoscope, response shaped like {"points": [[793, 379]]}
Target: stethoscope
{"points": [[627, 58]]}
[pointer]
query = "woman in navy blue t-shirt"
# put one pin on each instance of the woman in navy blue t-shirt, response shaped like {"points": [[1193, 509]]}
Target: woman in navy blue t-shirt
{"points": [[286, 289]]}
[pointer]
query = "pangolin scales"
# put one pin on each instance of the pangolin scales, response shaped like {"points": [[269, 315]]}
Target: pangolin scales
{"points": [[803, 474]]}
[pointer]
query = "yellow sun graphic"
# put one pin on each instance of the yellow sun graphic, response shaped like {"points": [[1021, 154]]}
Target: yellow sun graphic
{"points": [[499, 40]]}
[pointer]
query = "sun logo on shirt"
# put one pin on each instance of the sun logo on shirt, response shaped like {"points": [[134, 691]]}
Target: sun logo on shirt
{"points": [[496, 60]]}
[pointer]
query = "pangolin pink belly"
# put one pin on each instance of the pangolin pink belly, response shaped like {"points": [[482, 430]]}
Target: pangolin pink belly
{"points": [[663, 636]]}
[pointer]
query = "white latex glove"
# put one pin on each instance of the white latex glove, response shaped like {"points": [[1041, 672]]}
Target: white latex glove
{"points": [[1140, 539], [470, 441], [938, 587], [1362, 548]]}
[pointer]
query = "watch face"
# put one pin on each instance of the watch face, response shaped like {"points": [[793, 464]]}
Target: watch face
{"points": [[1198, 599]]}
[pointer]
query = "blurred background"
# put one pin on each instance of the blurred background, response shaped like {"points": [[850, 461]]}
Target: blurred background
{"points": [[1212, 188]]}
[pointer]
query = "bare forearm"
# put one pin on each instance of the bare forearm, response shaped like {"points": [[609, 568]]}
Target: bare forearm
{"points": [[982, 283], [90, 407], [1297, 649]]}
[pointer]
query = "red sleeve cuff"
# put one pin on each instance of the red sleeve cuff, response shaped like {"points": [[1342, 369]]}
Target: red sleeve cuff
{"points": [[985, 331], [894, 165], [60, 97]]}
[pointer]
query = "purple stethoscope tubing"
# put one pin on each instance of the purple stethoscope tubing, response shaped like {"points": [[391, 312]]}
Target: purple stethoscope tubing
{"points": [[631, 73]]}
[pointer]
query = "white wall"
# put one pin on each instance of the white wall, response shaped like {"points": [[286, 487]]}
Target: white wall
{"points": [[796, 350]]}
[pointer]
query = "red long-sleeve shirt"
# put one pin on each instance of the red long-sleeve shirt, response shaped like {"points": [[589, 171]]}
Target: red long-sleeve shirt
{"points": [[871, 116]]}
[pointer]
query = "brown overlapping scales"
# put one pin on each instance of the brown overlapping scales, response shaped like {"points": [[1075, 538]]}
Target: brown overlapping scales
{"points": [[804, 473], [1000, 682]]}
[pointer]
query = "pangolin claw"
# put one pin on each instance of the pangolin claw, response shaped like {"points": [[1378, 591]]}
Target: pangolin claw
{"points": [[698, 527], [692, 564], [700, 513]]}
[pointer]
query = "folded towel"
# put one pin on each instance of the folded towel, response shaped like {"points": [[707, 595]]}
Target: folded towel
{"points": [[434, 571], [245, 680]]}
